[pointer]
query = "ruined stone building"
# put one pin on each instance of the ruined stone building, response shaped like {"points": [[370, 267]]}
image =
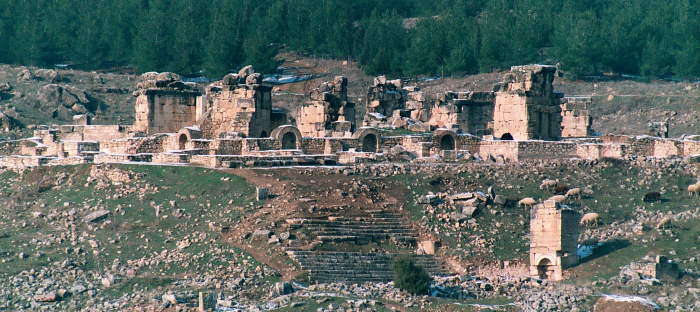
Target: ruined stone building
{"points": [[526, 106], [576, 120], [241, 106], [553, 240], [164, 104], [233, 124], [472, 112], [329, 113]]}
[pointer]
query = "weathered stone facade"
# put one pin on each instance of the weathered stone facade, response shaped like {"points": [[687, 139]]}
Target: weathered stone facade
{"points": [[526, 106], [164, 104], [576, 120], [472, 112], [240, 106], [329, 113], [553, 240]]}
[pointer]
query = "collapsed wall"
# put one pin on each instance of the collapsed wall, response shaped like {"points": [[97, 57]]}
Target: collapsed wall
{"points": [[239, 106], [470, 111], [576, 120], [329, 112]]}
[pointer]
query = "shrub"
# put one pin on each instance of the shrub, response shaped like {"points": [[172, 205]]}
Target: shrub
{"points": [[410, 277]]}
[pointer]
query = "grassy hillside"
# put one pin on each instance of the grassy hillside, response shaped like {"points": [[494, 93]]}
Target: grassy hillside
{"points": [[41, 222]]}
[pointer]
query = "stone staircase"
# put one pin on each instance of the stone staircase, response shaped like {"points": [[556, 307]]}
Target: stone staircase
{"points": [[371, 226], [356, 267], [360, 229]]}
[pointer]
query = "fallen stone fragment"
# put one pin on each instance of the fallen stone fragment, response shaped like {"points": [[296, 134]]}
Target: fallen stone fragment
{"points": [[97, 216]]}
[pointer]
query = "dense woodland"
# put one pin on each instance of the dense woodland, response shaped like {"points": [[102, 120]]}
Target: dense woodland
{"points": [[398, 37]]}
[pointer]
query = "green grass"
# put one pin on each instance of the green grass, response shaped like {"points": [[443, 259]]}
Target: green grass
{"points": [[617, 190], [201, 195]]}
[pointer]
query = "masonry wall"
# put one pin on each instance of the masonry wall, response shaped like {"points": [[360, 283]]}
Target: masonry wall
{"points": [[576, 119], [165, 111], [243, 109]]}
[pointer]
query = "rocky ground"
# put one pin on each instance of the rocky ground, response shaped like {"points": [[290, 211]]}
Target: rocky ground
{"points": [[126, 237]]}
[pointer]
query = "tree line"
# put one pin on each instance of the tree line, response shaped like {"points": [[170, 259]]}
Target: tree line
{"points": [[397, 37]]}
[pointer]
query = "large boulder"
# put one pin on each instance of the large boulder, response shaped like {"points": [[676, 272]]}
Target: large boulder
{"points": [[49, 75], [609, 303], [66, 101]]}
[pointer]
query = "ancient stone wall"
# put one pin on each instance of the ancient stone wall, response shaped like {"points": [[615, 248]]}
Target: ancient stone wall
{"points": [[546, 150], [576, 120], [164, 103], [691, 148], [668, 148], [329, 112], [313, 145], [226, 147], [470, 111], [237, 106], [10, 147], [21, 162], [526, 106], [386, 96]]}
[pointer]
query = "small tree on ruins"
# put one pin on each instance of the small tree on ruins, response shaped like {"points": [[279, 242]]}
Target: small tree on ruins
{"points": [[410, 277]]}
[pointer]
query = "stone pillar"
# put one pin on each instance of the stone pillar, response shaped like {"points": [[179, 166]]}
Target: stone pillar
{"points": [[553, 240]]}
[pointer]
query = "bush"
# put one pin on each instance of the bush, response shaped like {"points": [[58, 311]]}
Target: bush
{"points": [[410, 277]]}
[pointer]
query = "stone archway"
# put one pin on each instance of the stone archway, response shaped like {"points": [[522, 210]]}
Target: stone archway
{"points": [[182, 142], [545, 269], [289, 141], [288, 137], [369, 143], [447, 143], [507, 137], [263, 134]]}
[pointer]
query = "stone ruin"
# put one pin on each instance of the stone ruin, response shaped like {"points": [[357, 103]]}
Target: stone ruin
{"points": [[240, 105], [164, 103], [576, 120], [659, 267], [233, 123], [526, 106], [553, 240], [388, 101], [471, 112], [329, 113], [659, 128]]}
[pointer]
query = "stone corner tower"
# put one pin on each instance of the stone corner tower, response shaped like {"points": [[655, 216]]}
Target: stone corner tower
{"points": [[553, 240], [526, 106]]}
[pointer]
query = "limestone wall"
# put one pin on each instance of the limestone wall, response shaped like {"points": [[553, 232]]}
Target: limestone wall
{"points": [[21, 162], [546, 150], [226, 147], [576, 119], [164, 110], [10, 147], [526, 107]]}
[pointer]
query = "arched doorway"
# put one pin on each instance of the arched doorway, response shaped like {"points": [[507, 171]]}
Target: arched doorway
{"points": [[369, 143], [507, 137], [263, 134], [182, 142], [289, 141], [545, 269], [447, 143]]}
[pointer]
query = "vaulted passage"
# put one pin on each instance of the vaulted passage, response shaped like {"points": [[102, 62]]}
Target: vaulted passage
{"points": [[507, 137], [289, 141], [182, 142], [369, 143], [447, 143], [545, 269]]}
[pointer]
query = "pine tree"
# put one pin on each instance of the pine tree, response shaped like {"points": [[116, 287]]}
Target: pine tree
{"points": [[153, 42]]}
